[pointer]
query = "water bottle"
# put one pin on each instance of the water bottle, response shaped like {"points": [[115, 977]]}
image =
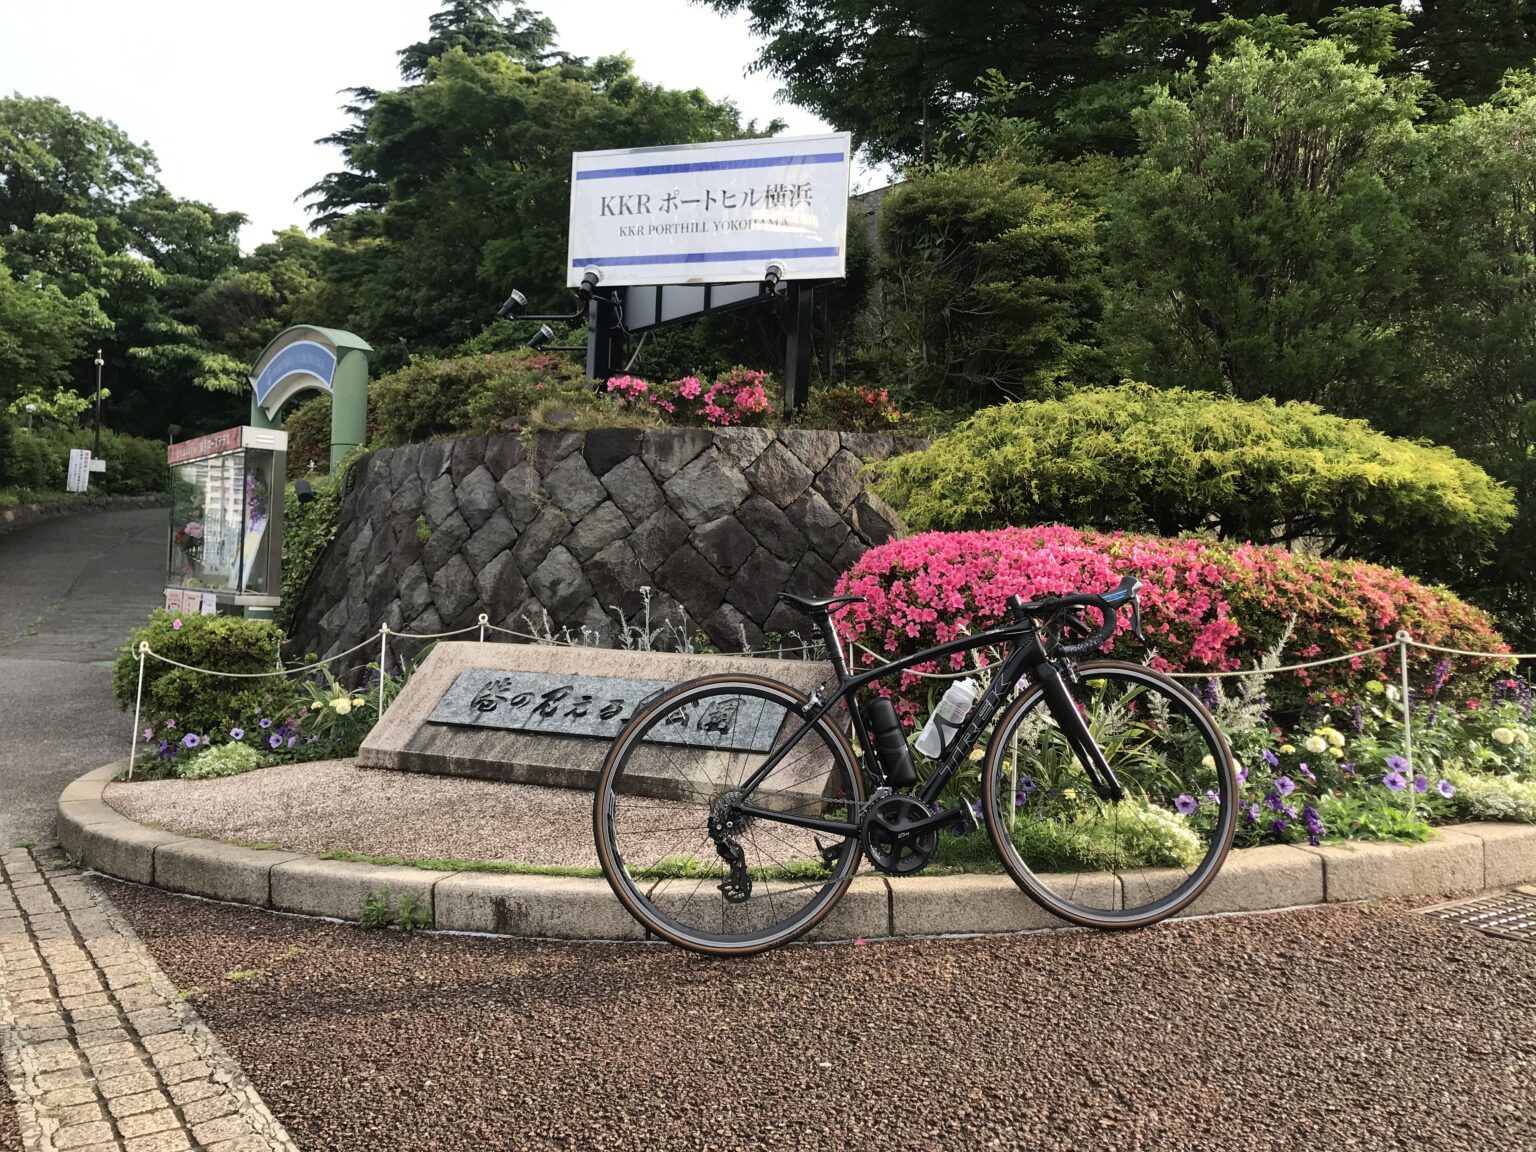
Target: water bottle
{"points": [[947, 718]]}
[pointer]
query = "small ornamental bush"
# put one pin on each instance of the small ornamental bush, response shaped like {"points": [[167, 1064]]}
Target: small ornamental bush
{"points": [[739, 397], [220, 760], [1206, 605], [852, 408], [468, 394], [178, 702]]}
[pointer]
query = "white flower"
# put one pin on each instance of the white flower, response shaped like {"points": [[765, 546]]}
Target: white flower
{"points": [[1315, 744], [1504, 736], [1209, 761], [1522, 737], [341, 705], [1392, 692]]}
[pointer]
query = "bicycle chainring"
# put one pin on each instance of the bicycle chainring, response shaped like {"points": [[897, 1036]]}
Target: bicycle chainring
{"points": [[886, 842]]}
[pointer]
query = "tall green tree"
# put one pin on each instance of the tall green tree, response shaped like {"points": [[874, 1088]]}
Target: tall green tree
{"points": [[474, 164], [1261, 244]]}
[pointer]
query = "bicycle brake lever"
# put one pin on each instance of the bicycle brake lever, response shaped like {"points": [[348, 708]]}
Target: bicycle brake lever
{"points": [[1136, 618]]}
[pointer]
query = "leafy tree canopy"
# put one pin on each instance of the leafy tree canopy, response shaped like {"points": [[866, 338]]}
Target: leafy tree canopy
{"points": [[1174, 461]]}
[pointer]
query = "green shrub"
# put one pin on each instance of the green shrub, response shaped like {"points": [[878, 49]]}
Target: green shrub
{"points": [[309, 436], [468, 394], [308, 526], [181, 702], [32, 461], [220, 760], [1138, 458], [1493, 797], [851, 408]]}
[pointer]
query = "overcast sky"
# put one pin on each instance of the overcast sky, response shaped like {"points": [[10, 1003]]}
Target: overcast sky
{"points": [[232, 96]]}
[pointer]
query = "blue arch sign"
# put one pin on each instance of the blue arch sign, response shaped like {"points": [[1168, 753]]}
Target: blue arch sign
{"points": [[305, 358]]}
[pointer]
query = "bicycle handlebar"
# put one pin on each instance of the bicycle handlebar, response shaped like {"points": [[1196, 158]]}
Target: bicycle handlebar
{"points": [[1108, 603]]}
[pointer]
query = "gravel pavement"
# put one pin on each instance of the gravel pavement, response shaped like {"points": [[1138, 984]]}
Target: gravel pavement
{"points": [[1345, 1027], [10, 1131], [333, 805]]}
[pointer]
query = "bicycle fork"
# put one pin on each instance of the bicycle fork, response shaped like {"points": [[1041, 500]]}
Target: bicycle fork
{"points": [[1063, 706]]}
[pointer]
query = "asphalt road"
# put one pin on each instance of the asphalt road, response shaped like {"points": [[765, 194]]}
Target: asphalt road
{"points": [[70, 589]]}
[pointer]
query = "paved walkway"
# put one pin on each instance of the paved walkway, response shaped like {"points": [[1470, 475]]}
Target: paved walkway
{"points": [[72, 590], [99, 1050]]}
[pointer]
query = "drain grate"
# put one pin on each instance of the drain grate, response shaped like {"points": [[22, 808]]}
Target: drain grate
{"points": [[1511, 915]]}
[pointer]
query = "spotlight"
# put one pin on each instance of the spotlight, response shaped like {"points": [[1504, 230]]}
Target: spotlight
{"points": [[302, 491], [542, 337], [514, 305], [771, 277], [588, 283]]}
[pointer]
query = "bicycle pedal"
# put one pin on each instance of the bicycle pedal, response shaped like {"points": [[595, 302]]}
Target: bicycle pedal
{"points": [[972, 820]]}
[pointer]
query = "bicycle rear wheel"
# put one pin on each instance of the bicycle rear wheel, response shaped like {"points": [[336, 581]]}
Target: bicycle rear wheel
{"points": [[678, 855], [1097, 862]]}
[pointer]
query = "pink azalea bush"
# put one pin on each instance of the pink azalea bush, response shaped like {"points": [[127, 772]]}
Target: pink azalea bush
{"points": [[738, 397], [1206, 605]]}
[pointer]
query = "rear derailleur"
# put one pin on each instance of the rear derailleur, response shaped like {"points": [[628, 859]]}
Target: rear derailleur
{"points": [[725, 825]]}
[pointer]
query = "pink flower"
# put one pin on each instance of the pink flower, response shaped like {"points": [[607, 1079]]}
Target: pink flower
{"points": [[176, 624]]}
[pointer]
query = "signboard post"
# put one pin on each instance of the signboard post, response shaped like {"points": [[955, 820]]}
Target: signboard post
{"points": [[717, 213], [79, 476], [676, 233]]}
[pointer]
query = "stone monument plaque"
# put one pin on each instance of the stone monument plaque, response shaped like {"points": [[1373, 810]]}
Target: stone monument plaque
{"points": [[532, 714], [597, 706]]}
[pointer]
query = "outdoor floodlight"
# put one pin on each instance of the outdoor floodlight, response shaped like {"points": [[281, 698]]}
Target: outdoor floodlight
{"points": [[542, 337], [513, 306], [302, 491], [771, 277], [588, 283]]}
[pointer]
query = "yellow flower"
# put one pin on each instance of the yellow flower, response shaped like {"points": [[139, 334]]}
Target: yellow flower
{"points": [[977, 753], [358, 701], [1209, 761], [1069, 793], [341, 705], [1334, 737], [1287, 749], [1315, 744], [1336, 753], [1374, 687]]}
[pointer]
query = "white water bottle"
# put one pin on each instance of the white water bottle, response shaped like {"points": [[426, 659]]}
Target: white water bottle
{"points": [[946, 718]]}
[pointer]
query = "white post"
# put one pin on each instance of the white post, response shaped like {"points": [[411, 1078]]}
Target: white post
{"points": [[383, 656], [138, 708], [484, 619], [1402, 660]]}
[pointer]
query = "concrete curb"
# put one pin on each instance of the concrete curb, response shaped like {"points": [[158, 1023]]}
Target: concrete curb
{"points": [[25, 515], [1462, 858]]}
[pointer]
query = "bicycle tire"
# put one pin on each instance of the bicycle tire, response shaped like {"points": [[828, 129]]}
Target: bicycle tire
{"points": [[1000, 810], [640, 887]]}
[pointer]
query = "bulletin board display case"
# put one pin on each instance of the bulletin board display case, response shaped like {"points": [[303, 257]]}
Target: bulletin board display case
{"points": [[226, 534]]}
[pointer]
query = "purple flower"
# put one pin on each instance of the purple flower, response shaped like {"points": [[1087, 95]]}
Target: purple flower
{"points": [[316, 740], [190, 740], [1271, 759], [1397, 764], [1186, 805], [1253, 812], [292, 740], [170, 723], [1446, 789], [1242, 775], [1273, 801], [237, 733], [1285, 785], [1027, 784], [1347, 768], [1278, 828], [266, 721], [274, 742], [1396, 781], [1420, 784], [1210, 794], [1307, 772]]}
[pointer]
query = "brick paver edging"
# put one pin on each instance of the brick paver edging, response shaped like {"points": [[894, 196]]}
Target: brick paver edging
{"points": [[23, 515], [1461, 858]]}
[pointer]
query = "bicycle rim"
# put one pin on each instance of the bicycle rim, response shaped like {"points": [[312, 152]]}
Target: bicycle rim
{"points": [[1098, 862], [679, 765]]}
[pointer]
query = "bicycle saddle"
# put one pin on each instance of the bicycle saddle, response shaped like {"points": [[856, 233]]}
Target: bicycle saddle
{"points": [[824, 604]]}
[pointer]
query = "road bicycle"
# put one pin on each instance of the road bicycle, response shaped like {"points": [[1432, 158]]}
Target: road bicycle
{"points": [[732, 811]]}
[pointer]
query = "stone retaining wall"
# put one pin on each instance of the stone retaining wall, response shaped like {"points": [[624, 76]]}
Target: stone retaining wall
{"points": [[715, 522]]}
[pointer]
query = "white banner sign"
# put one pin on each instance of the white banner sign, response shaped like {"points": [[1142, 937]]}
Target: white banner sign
{"points": [[711, 213], [79, 476]]}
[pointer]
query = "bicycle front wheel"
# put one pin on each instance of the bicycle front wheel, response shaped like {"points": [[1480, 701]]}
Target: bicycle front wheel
{"points": [[679, 854], [1095, 861]]}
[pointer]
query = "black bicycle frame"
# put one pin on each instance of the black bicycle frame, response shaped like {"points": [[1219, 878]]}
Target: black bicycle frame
{"points": [[1028, 655]]}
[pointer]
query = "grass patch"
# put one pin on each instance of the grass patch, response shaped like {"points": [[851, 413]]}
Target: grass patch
{"points": [[239, 974]]}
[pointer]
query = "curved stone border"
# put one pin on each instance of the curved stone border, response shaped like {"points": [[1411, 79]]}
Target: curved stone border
{"points": [[25, 515], [1462, 858]]}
